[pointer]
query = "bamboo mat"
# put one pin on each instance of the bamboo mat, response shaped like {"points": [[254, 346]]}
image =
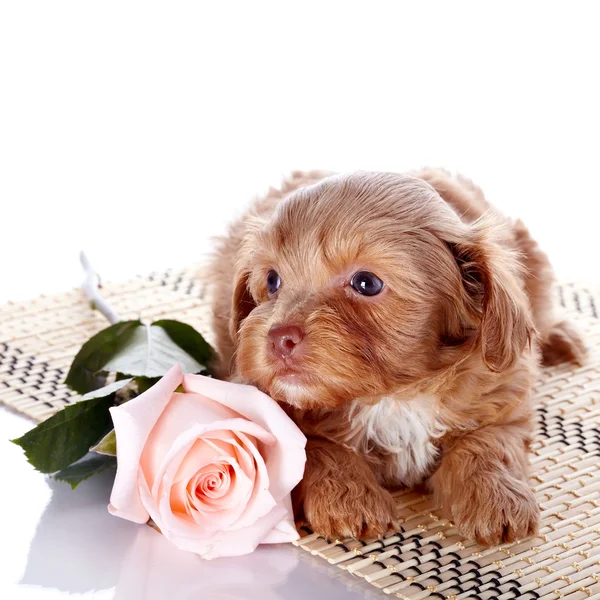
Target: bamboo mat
{"points": [[426, 558]]}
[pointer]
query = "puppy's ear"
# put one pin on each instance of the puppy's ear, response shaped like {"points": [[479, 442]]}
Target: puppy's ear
{"points": [[496, 298], [242, 303]]}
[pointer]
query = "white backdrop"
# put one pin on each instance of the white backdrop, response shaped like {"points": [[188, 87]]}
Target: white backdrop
{"points": [[137, 130]]}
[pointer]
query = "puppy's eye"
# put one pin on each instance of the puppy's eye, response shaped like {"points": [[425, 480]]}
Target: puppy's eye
{"points": [[273, 282], [366, 283]]}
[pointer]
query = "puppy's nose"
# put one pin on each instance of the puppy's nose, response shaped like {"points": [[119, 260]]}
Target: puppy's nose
{"points": [[284, 339]]}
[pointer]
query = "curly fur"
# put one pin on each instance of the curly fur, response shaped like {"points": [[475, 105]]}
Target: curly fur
{"points": [[428, 382]]}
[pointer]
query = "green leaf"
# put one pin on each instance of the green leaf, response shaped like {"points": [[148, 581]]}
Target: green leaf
{"points": [[68, 435], [145, 383], [107, 445], [150, 352], [107, 390], [86, 373], [187, 338], [91, 464]]}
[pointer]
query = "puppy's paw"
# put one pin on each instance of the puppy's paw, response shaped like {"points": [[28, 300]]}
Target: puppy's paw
{"points": [[496, 509], [563, 343], [349, 510]]}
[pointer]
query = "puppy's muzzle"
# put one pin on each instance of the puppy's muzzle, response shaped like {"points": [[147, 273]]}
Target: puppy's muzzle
{"points": [[284, 340]]}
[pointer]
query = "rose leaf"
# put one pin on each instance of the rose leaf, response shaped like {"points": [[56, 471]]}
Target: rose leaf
{"points": [[91, 464], [107, 445], [107, 390], [86, 372], [150, 352], [67, 436], [188, 339]]}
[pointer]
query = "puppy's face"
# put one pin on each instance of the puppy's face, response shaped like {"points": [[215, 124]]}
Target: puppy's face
{"points": [[350, 291]]}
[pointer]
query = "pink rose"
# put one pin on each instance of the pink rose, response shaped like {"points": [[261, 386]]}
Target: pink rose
{"points": [[213, 466]]}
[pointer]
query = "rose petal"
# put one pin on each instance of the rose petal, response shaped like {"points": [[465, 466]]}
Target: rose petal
{"points": [[133, 423], [237, 494], [226, 440], [214, 517], [246, 477], [211, 482], [189, 435], [285, 531], [157, 502], [201, 455], [182, 411], [262, 499], [230, 543], [184, 523], [240, 477], [285, 460]]}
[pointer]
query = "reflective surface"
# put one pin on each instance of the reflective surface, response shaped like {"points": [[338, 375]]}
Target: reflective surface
{"points": [[58, 543]]}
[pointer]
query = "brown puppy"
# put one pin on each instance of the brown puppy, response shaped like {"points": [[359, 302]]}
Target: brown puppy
{"points": [[399, 319]]}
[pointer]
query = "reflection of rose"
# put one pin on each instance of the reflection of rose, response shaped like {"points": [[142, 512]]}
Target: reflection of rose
{"points": [[213, 466], [154, 570]]}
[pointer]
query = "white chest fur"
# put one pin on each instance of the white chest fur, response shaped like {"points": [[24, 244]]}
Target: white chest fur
{"points": [[404, 429]]}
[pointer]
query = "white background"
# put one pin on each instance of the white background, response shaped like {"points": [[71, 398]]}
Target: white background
{"points": [[136, 131]]}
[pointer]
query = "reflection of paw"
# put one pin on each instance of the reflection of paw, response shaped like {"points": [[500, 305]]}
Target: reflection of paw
{"points": [[563, 343], [354, 510], [496, 509]]}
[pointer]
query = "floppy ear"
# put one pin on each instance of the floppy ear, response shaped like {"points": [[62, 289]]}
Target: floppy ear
{"points": [[242, 303], [490, 273]]}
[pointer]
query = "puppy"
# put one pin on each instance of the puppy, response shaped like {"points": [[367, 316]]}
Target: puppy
{"points": [[400, 320]]}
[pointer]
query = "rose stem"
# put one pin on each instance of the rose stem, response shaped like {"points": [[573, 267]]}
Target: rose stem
{"points": [[91, 289]]}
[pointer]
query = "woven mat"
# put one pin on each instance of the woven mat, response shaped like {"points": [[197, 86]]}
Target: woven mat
{"points": [[427, 558]]}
